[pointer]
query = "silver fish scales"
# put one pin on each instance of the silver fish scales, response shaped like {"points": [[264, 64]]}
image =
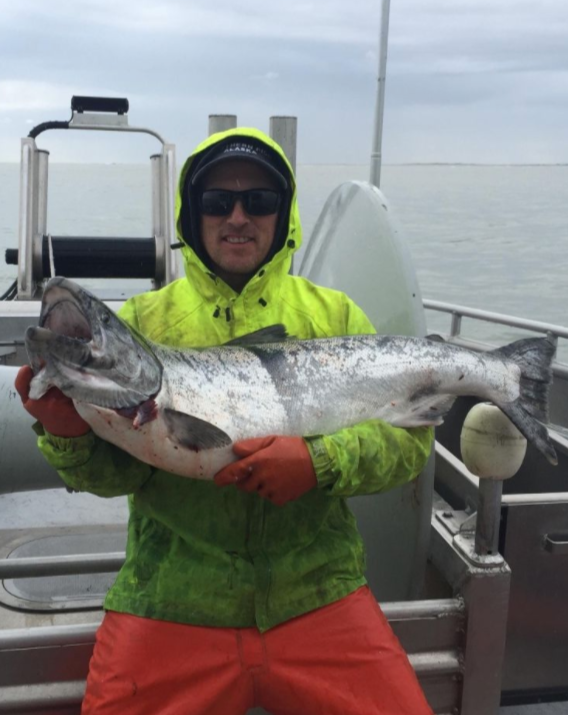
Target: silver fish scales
{"points": [[181, 410]]}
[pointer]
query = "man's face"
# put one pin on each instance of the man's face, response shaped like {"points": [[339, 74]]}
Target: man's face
{"points": [[238, 243]]}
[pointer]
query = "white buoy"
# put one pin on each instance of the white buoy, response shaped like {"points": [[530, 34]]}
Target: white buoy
{"points": [[491, 446], [493, 449]]}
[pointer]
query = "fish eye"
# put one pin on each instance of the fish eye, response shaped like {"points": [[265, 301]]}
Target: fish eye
{"points": [[105, 317]]}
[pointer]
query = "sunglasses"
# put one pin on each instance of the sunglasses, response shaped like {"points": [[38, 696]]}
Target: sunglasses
{"points": [[256, 202]]}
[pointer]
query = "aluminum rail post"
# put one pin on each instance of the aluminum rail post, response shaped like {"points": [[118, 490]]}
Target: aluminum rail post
{"points": [[42, 181], [488, 516], [164, 183], [221, 122], [28, 218], [158, 218], [284, 131], [376, 156]]}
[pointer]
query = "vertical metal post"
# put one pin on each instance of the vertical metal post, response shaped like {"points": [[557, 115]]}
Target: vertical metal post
{"points": [[156, 161], [483, 583], [284, 131], [42, 176], [40, 181], [488, 516], [28, 218], [221, 122], [163, 214], [486, 596], [170, 183], [455, 327], [158, 216], [376, 156]]}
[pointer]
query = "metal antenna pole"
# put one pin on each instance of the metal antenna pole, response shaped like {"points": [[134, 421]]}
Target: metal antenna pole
{"points": [[380, 106]]}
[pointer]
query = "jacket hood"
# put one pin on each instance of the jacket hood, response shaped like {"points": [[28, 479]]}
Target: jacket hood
{"points": [[288, 235]]}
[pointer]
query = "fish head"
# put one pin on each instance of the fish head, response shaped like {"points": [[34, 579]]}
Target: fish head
{"points": [[88, 352]]}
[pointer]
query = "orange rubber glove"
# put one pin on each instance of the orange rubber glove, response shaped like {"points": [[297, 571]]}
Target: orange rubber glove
{"points": [[279, 469], [56, 412]]}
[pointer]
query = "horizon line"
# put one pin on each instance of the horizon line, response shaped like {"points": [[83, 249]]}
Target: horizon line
{"points": [[327, 163]]}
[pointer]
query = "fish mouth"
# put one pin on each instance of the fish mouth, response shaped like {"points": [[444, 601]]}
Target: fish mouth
{"points": [[62, 312], [64, 333], [66, 318]]}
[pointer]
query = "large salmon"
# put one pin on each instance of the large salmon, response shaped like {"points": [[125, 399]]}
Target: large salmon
{"points": [[181, 409]]}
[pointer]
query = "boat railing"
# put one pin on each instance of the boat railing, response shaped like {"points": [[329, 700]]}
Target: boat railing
{"points": [[458, 312], [432, 632]]}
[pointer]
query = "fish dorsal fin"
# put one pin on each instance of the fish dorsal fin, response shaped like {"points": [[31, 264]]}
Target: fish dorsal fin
{"points": [[272, 334], [435, 338], [194, 433]]}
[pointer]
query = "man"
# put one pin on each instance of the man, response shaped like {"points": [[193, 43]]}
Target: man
{"points": [[249, 590]]}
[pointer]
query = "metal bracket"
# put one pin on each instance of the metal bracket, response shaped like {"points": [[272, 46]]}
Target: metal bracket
{"points": [[462, 527], [465, 544], [556, 544], [98, 121], [456, 521]]}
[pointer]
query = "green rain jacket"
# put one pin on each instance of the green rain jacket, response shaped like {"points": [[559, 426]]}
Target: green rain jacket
{"points": [[212, 556]]}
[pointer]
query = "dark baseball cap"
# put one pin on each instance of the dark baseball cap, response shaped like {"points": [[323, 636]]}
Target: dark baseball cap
{"points": [[246, 149]]}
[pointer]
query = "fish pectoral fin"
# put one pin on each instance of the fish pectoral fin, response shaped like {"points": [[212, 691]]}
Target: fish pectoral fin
{"points": [[431, 411], [194, 433], [272, 334]]}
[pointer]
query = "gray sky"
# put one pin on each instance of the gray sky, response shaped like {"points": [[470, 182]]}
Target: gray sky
{"points": [[467, 80]]}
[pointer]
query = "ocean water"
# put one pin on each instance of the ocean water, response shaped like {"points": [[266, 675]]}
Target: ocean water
{"points": [[490, 237]]}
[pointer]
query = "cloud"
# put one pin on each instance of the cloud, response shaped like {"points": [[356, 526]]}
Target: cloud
{"points": [[25, 95], [480, 36], [478, 61], [333, 21], [267, 77]]}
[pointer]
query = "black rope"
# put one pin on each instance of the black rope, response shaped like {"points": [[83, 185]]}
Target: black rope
{"points": [[36, 131], [11, 293]]}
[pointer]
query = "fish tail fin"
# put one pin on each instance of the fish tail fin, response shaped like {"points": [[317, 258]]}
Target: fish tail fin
{"points": [[534, 357]]}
